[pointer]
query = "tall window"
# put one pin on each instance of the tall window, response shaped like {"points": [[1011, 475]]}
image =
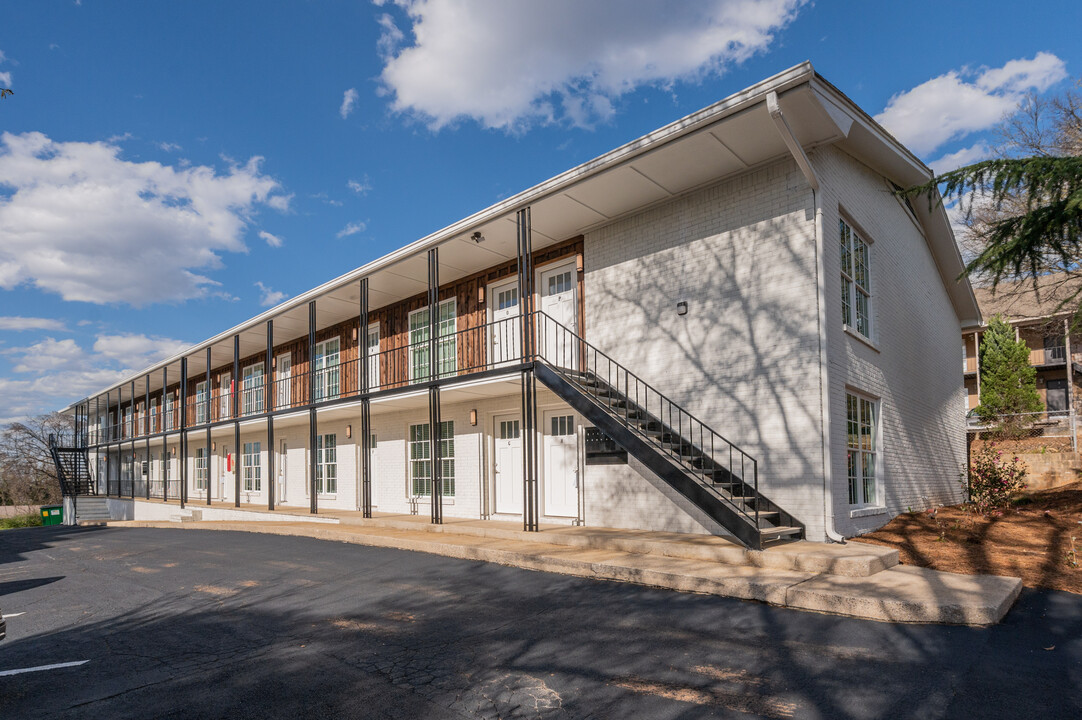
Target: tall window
{"points": [[128, 421], [284, 381], [373, 356], [861, 415], [252, 471], [153, 416], [167, 411], [201, 469], [325, 366], [253, 389], [326, 464], [856, 281], [446, 342], [201, 402], [421, 460], [225, 396]]}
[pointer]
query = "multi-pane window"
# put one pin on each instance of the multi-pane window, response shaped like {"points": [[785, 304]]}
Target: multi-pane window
{"points": [[201, 397], [128, 421], [373, 356], [861, 430], [326, 464], [421, 460], [225, 396], [251, 468], [284, 381], [446, 342], [153, 417], [325, 365], [563, 425], [253, 389], [201, 473], [560, 283], [167, 411], [856, 280]]}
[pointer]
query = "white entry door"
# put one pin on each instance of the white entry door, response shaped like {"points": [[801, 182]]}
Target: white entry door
{"points": [[225, 471], [373, 357], [559, 300], [284, 381], [505, 333], [508, 464], [561, 452]]}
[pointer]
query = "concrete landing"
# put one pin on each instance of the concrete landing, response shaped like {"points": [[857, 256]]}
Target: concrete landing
{"points": [[895, 594]]}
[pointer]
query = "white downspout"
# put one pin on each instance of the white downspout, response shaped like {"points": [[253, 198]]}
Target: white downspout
{"points": [[802, 161]]}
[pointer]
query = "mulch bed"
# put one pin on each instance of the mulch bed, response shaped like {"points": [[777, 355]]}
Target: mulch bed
{"points": [[1032, 540]]}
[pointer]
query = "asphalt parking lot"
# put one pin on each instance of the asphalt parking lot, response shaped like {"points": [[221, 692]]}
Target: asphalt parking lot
{"points": [[193, 623]]}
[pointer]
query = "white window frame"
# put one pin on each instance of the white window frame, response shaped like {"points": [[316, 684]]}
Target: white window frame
{"points": [[863, 449], [373, 356], [420, 462], [856, 280], [446, 341], [167, 412], [252, 396], [327, 464], [252, 467], [201, 468], [201, 403], [328, 381], [283, 387], [129, 423]]}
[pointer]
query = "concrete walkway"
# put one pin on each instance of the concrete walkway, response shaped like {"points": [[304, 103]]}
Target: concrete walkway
{"points": [[854, 579]]}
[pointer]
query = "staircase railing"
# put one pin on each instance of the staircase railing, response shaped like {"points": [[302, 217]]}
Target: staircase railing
{"points": [[596, 374], [69, 461]]}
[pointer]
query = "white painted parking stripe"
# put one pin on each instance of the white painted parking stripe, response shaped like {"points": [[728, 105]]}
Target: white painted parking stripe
{"points": [[39, 668], [13, 615]]}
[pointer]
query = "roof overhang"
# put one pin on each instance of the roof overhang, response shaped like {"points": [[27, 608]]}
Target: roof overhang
{"points": [[725, 139]]}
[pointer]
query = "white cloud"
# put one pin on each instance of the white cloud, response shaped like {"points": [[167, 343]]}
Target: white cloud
{"points": [[507, 64], [53, 373], [965, 156], [349, 101], [90, 226], [961, 102], [362, 187], [5, 79], [30, 323], [268, 296], [351, 229], [272, 240], [170, 147]]}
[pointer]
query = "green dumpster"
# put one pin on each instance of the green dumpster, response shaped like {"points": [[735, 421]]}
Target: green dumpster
{"points": [[52, 515]]}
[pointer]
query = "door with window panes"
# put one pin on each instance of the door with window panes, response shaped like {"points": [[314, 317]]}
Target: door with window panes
{"points": [[505, 344], [561, 460], [325, 365], [508, 460], [559, 301]]}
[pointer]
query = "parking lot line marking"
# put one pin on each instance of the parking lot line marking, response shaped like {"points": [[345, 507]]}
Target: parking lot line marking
{"points": [[39, 668], [13, 615]]}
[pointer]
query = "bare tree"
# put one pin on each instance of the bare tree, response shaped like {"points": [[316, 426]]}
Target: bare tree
{"points": [[27, 471]]}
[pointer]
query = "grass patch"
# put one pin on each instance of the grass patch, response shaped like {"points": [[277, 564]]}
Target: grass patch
{"points": [[20, 521]]}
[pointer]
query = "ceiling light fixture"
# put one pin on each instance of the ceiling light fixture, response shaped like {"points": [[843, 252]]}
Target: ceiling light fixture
{"points": [[477, 237]]}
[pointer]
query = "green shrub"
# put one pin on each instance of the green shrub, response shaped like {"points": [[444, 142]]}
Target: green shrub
{"points": [[20, 521], [993, 480]]}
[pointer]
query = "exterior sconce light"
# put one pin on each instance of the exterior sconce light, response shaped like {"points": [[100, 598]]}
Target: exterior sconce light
{"points": [[354, 334], [473, 417], [477, 237], [682, 308], [349, 431], [213, 446], [481, 295]]}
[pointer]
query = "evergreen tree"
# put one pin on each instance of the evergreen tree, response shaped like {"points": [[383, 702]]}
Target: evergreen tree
{"points": [[1008, 381]]}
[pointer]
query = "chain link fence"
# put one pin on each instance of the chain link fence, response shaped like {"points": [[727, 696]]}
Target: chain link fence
{"points": [[1038, 432]]}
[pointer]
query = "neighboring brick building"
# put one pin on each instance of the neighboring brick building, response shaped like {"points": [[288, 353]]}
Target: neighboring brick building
{"points": [[747, 270]]}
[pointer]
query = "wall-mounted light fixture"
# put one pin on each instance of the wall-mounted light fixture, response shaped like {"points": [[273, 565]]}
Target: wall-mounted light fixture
{"points": [[477, 237], [213, 446], [349, 431], [354, 334], [480, 294], [682, 308], [473, 417]]}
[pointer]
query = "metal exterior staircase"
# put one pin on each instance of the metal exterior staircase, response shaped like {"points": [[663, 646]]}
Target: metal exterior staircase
{"points": [[72, 468], [714, 474]]}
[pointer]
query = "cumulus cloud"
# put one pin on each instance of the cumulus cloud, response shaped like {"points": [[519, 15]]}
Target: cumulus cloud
{"points": [[81, 222], [509, 64], [351, 229], [965, 156], [5, 79], [360, 187], [49, 374], [349, 102], [272, 240], [269, 297], [11, 322], [965, 101]]}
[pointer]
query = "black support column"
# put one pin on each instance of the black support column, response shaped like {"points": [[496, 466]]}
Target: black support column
{"points": [[234, 390], [108, 441], [149, 430], [312, 458], [366, 418], [133, 434], [268, 403], [207, 415], [182, 452], [529, 385], [434, 391], [165, 438]]}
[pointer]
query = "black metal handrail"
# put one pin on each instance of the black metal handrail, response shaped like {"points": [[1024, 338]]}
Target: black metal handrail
{"points": [[577, 360]]}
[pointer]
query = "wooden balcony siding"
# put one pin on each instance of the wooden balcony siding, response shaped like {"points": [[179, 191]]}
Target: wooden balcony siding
{"points": [[393, 320], [970, 365]]}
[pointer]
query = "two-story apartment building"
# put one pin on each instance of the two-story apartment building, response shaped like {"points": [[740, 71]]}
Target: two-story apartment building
{"points": [[1043, 316], [730, 325]]}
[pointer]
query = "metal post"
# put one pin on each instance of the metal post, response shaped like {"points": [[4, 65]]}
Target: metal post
{"points": [[366, 419], [206, 451], [529, 451], [434, 454], [362, 335], [165, 438], [108, 439], [268, 403], [235, 385], [313, 504], [97, 442], [183, 451], [133, 433], [433, 303], [149, 430]]}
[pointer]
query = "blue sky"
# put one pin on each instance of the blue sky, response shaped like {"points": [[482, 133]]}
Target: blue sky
{"points": [[168, 170]]}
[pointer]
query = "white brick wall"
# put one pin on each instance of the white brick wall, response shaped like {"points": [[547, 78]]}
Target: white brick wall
{"points": [[745, 357], [911, 369]]}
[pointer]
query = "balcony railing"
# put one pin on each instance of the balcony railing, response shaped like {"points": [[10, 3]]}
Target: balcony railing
{"points": [[464, 352]]}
